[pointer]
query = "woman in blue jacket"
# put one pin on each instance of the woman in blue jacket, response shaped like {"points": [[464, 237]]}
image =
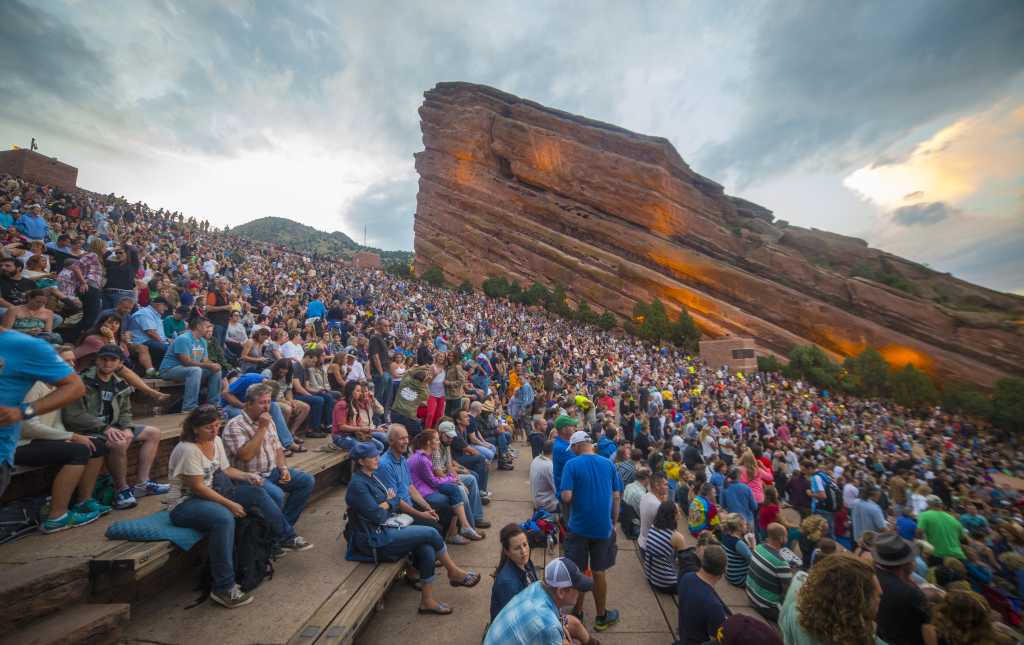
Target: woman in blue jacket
{"points": [[515, 569], [371, 506]]}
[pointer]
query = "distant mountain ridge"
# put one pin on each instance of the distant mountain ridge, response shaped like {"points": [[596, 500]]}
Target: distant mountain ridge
{"points": [[308, 240]]}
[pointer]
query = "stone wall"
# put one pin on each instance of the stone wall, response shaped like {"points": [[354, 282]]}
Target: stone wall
{"points": [[38, 168]]}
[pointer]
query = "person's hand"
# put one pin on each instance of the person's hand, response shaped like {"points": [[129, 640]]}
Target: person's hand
{"points": [[116, 435], [84, 440], [285, 475], [391, 493], [9, 415], [236, 509], [264, 421], [254, 478], [214, 367]]}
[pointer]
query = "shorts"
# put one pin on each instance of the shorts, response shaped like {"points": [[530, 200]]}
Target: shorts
{"points": [[598, 555], [45, 452]]}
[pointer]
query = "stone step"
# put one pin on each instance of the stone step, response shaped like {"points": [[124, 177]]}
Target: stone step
{"points": [[33, 590], [83, 624]]}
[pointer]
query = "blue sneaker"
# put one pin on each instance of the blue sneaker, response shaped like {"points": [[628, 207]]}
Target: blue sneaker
{"points": [[611, 616], [70, 520], [125, 500], [150, 488], [91, 506]]}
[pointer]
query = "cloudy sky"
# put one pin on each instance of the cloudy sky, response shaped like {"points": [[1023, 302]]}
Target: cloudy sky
{"points": [[899, 122]]}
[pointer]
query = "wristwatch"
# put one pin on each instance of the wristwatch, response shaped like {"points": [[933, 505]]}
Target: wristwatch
{"points": [[27, 411]]}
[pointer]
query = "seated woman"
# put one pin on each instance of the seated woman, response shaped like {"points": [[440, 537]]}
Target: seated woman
{"points": [[45, 442], [251, 357], [235, 336], [32, 318], [295, 412], [207, 494], [370, 506], [352, 419], [738, 543], [662, 544], [107, 331], [439, 490]]}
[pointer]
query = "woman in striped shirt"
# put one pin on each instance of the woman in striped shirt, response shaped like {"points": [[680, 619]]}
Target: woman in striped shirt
{"points": [[738, 544], [663, 541]]}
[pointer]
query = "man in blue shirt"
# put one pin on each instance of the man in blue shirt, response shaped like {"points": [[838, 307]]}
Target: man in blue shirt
{"points": [[234, 401], [32, 225], [591, 488], [560, 453], [393, 472], [533, 616], [23, 361], [188, 362], [147, 328], [738, 498]]}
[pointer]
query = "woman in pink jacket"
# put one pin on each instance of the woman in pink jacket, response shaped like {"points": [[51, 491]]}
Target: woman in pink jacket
{"points": [[755, 475], [438, 489]]}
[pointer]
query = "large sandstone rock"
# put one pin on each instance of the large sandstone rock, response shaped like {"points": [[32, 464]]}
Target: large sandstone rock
{"points": [[509, 187]]}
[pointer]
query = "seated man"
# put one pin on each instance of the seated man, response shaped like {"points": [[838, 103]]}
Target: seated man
{"points": [[147, 328], [444, 464], [393, 472], [188, 362], [254, 448], [467, 455], [106, 410], [44, 442]]}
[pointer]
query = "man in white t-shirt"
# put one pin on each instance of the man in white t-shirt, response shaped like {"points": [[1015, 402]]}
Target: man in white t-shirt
{"points": [[657, 492]]}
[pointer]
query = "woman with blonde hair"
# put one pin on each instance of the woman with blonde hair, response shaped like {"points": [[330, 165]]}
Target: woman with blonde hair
{"points": [[964, 618], [897, 494], [836, 603], [812, 529], [755, 475]]}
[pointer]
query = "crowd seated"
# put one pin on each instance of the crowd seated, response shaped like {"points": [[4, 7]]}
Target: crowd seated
{"points": [[788, 487]]}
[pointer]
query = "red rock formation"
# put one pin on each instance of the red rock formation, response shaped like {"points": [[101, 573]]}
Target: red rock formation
{"points": [[509, 187]]}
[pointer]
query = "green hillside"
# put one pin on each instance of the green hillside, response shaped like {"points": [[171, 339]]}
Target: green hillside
{"points": [[306, 239]]}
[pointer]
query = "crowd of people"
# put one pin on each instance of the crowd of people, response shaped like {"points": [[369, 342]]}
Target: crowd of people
{"points": [[845, 520]]}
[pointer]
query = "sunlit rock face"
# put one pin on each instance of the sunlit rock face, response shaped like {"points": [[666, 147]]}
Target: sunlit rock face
{"points": [[509, 187]]}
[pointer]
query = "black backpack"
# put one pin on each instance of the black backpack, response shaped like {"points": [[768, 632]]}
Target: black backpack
{"points": [[687, 560], [20, 517], [253, 555], [833, 496]]}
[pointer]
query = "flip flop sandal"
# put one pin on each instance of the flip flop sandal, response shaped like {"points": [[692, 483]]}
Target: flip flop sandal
{"points": [[297, 449], [470, 580], [441, 610]]}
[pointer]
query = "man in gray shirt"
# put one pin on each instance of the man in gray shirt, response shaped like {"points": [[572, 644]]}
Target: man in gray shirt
{"points": [[867, 515], [542, 480]]}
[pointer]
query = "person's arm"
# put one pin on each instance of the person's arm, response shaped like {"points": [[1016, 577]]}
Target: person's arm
{"points": [[421, 467], [153, 335], [231, 399], [297, 387], [240, 475], [199, 489], [251, 448], [616, 503], [427, 512], [9, 316]]}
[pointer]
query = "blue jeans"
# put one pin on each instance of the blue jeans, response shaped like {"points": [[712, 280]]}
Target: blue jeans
{"points": [[450, 493], [299, 488], [349, 441], [321, 407], [156, 350], [476, 507], [193, 377], [413, 426], [478, 466], [112, 296], [284, 435], [218, 523], [423, 543], [381, 390], [487, 452]]}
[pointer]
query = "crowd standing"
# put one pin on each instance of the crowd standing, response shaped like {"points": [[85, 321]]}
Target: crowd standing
{"points": [[845, 520]]}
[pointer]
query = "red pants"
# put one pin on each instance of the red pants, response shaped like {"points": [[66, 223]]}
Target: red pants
{"points": [[435, 410]]}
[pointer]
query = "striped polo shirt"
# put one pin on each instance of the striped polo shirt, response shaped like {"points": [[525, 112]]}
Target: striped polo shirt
{"points": [[767, 578]]}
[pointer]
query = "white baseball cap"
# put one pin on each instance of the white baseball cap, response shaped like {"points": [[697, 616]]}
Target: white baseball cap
{"points": [[579, 436]]}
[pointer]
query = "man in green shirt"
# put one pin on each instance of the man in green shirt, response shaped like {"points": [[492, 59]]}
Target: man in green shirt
{"points": [[941, 530], [174, 325]]}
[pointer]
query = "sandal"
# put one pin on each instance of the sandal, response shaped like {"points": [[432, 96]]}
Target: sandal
{"points": [[441, 610], [469, 580], [288, 452], [296, 448], [415, 583]]}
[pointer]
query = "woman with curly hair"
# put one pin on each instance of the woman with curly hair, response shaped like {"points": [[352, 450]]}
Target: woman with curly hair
{"points": [[836, 603], [812, 529], [964, 618]]}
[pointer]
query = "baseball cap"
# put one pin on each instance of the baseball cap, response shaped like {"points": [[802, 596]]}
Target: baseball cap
{"points": [[363, 451], [580, 436], [447, 428], [565, 420], [110, 350], [159, 300], [740, 629], [933, 500], [562, 573]]}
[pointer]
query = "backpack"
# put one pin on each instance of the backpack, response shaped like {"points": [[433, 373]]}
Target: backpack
{"points": [[253, 553], [20, 517], [833, 496]]}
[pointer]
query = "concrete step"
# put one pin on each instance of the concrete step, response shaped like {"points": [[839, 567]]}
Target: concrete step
{"points": [[31, 591], [84, 624]]}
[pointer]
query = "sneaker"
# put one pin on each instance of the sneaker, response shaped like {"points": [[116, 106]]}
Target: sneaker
{"points": [[125, 500], [506, 466], [150, 487], [486, 494], [482, 524], [152, 372], [297, 543], [472, 534], [611, 616], [457, 540], [232, 598], [91, 506], [70, 520], [315, 434], [485, 500]]}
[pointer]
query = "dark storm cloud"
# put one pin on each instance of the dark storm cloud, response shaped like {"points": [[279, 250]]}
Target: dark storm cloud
{"points": [[838, 81], [385, 210], [924, 214]]}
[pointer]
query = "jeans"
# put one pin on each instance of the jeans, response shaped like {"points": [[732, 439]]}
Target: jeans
{"points": [[193, 376], [218, 523], [156, 350], [476, 507], [321, 407], [413, 426], [381, 390], [423, 543], [348, 441], [478, 466], [112, 296], [299, 488], [502, 441], [450, 493], [284, 435], [488, 452]]}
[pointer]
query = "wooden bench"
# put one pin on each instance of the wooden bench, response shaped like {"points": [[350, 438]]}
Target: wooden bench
{"points": [[347, 609]]}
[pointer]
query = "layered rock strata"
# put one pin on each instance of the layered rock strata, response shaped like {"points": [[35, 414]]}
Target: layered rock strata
{"points": [[511, 188]]}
